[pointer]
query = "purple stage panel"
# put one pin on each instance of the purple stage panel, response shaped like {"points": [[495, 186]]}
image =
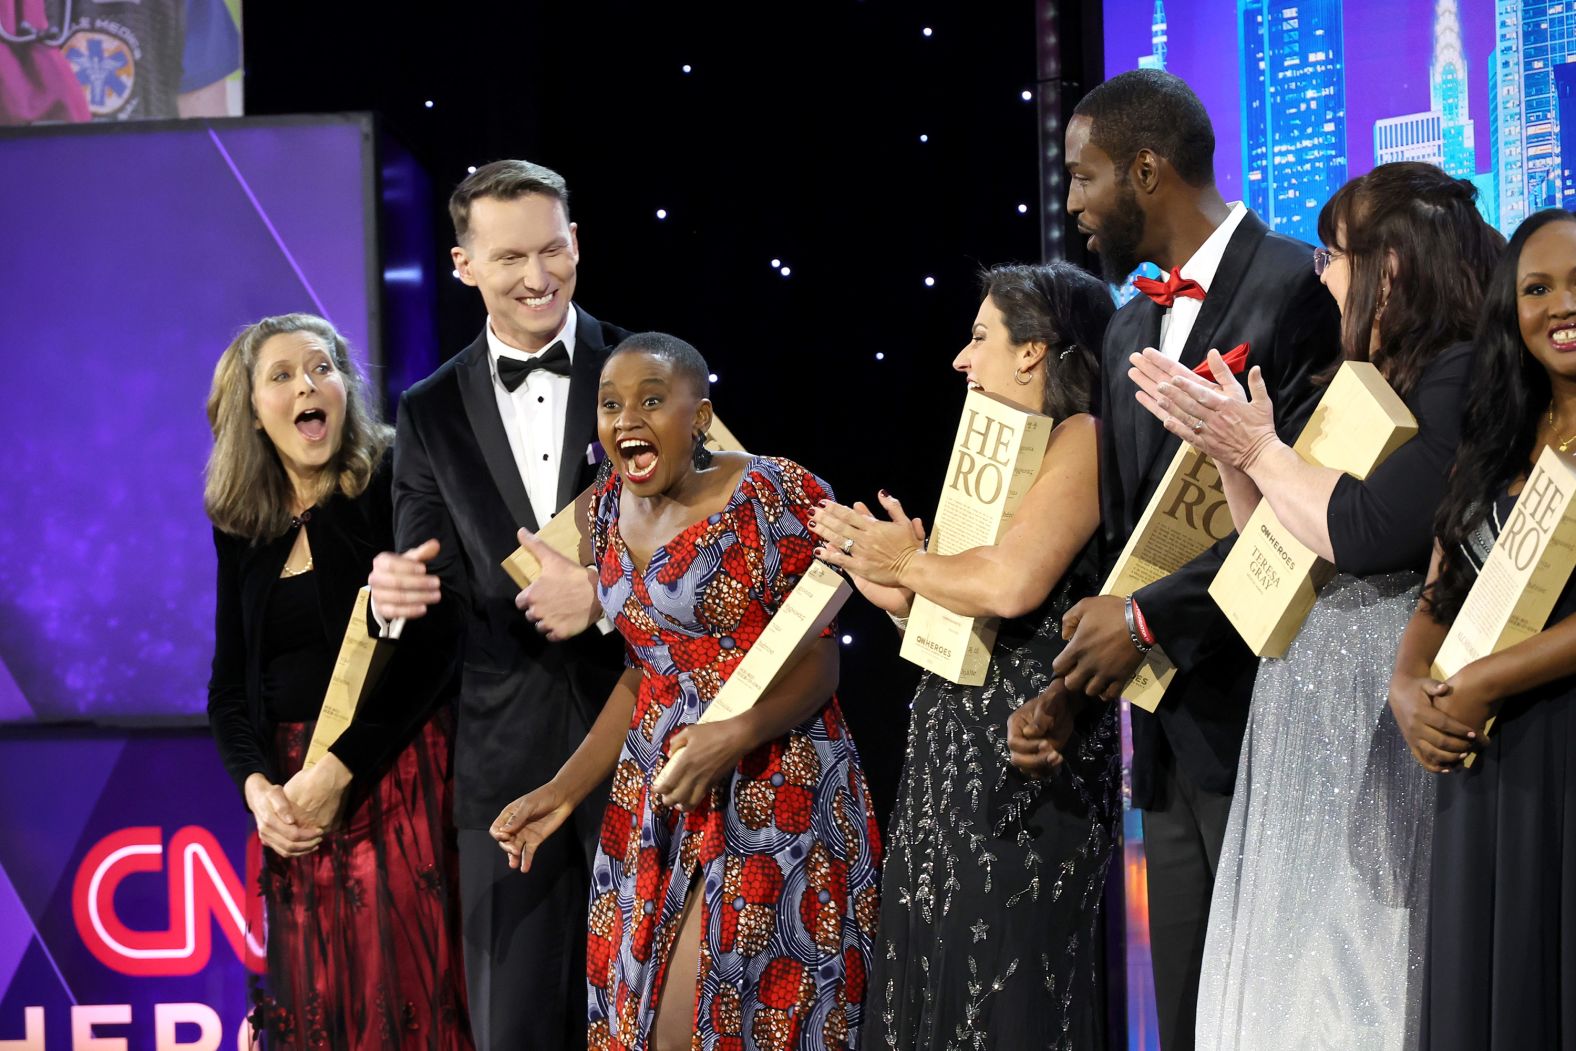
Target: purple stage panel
{"points": [[131, 257], [128, 890]]}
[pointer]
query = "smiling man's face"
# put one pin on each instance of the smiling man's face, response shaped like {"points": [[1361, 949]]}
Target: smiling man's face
{"points": [[522, 255]]}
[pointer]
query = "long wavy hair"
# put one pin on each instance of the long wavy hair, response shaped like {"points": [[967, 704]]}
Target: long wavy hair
{"points": [[246, 491], [1419, 229], [1508, 394], [1066, 308]]}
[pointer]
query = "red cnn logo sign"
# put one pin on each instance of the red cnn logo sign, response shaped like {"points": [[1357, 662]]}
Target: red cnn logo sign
{"points": [[203, 890]]}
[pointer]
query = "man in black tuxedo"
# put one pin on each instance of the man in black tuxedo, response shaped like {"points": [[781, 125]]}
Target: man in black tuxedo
{"points": [[496, 439], [1140, 156]]}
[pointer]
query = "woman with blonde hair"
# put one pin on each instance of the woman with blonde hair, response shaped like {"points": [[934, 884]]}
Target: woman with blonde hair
{"points": [[363, 935]]}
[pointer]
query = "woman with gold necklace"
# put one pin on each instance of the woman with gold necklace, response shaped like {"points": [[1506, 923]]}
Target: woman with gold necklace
{"points": [[363, 936]]}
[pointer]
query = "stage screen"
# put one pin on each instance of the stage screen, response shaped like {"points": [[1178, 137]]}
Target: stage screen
{"points": [[132, 256], [76, 61], [1305, 94]]}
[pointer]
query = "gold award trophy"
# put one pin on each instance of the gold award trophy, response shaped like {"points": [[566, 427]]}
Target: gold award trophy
{"points": [[1186, 516], [1268, 582], [995, 458], [812, 604], [360, 663], [1524, 573], [569, 533]]}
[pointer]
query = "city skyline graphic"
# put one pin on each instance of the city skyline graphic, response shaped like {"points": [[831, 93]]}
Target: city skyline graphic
{"points": [[1322, 90]]}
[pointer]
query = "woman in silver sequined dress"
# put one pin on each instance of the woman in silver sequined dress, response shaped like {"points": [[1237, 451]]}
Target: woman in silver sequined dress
{"points": [[1317, 924], [992, 887]]}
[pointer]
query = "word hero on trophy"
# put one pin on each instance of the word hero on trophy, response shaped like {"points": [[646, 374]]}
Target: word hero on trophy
{"points": [[995, 459], [1186, 516], [810, 607], [1268, 583], [362, 658], [569, 532], [1524, 571]]}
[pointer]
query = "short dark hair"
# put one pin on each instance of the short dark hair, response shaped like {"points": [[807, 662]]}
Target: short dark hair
{"points": [[506, 181], [1155, 110], [1066, 308], [685, 359]]}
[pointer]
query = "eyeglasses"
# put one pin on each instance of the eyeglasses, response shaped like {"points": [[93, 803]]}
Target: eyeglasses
{"points": [[1323, 257]]}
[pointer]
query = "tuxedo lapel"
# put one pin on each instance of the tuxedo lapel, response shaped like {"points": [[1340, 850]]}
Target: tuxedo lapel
{"points": [[481, 408], [580, 414], [1139, 433], [1222, 291], [1156, 445]]}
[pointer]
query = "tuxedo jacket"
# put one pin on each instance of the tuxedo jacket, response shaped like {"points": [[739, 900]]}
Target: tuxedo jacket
{"points": [[1264, 294], [345, 535], [525, 703]]}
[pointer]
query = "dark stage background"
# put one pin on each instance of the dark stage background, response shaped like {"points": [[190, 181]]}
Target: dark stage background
{"points": [[837, 138]]}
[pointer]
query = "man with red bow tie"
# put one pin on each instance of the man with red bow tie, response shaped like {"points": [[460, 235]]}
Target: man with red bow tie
{"points": [[1140, 156]]}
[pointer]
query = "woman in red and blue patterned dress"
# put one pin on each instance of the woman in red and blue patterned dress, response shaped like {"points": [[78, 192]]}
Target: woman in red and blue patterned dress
{"points": [[734, 909]]}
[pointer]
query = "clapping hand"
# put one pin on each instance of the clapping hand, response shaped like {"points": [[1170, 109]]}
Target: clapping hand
{"points": [[873, 551], [1217, 418]]}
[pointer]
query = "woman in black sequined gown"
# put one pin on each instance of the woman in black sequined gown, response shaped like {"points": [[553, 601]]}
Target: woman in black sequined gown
{"points": [[993, 881]]}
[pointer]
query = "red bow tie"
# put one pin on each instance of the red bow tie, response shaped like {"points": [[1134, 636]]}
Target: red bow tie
{"points": [[1174, 287], [1235, 359]]}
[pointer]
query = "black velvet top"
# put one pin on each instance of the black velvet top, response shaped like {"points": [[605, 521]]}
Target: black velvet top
{"points": [[1386, 523], [276, 639], [297, 656]]}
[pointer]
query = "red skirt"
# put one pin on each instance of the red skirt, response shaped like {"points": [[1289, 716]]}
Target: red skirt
{"points": [[364, 944]]}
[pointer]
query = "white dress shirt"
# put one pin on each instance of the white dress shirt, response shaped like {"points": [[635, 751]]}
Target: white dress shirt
{"points": [[533, 417], [1177, 322]]}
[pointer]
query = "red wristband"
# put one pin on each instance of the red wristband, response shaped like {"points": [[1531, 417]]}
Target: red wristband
{"points": [[1142, 624]]}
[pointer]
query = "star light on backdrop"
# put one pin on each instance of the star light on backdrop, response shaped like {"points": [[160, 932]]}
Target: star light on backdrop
{"points": [[662, 213]]}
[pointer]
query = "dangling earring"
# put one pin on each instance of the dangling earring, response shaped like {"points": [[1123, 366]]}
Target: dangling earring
{"points": [[701, 456], [1021, 377], [1384, 298]]}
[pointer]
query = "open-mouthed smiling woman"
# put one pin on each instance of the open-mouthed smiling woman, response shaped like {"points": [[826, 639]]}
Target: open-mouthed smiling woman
{"points": [[736, 885], [358, 870]]}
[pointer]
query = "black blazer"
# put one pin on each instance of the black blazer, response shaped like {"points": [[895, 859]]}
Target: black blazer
{"points": [[345, 535], [525, 703], [1264, 294]]}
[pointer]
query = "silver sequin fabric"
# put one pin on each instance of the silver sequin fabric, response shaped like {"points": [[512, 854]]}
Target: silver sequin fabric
{"points": [[1317, 926], [992, 887]]}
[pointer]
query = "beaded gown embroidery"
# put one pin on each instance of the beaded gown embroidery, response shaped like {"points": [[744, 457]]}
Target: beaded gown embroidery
{"points": [[786, 851], [990, 916]]}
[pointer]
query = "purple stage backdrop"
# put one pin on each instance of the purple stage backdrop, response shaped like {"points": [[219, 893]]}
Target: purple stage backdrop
{"points": [[131, 256], [129, 908]]}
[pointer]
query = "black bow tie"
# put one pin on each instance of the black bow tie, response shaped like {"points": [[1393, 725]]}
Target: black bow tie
{"points": [[512, 371]]}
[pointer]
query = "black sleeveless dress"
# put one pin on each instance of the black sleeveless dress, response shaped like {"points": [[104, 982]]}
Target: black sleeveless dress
{"points": [[990, 900]]}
